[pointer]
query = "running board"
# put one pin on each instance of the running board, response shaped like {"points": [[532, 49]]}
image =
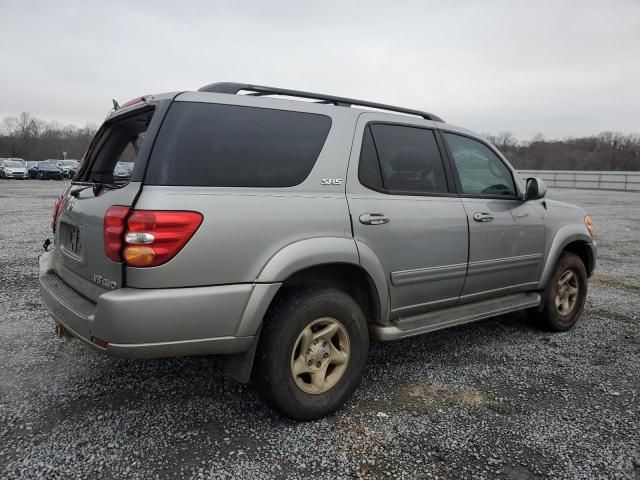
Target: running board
{"points": [[448, 317]]}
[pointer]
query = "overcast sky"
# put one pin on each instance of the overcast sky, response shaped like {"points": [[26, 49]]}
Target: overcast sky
{"points": [[563, 68]]}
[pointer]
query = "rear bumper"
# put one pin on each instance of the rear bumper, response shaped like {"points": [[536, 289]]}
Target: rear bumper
{"points": [[138, 323]]}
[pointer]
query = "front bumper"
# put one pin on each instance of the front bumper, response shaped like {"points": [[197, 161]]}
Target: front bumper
{"points": [[151, 323]]}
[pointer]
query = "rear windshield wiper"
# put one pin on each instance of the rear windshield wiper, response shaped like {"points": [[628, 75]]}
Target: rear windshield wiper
{"points": [[97, 187], [76, 192]]}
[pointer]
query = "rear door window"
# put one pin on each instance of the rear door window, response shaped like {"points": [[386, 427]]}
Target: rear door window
{"points": [[401, 159], [205, 144]]}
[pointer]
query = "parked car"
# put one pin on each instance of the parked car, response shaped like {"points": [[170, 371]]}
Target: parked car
{"points": [[47, 170], [67, 166], [13, 168], [32, 169], [122, 171], [73, 170], [285, 234]]}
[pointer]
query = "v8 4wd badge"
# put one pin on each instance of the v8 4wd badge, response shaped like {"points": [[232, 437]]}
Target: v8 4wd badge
{"points": [[104, 282]]}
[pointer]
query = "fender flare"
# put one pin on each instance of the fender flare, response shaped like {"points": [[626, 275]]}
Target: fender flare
{"points": [[287, 261], [370, 263], [305, 254], [563, 237]]}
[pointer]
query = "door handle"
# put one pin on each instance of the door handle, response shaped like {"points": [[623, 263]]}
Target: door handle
{"points": [[373, 219], [482, 217]]}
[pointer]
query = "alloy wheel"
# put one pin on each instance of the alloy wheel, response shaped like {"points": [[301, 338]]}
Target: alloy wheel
{"points": [[320, 355]]}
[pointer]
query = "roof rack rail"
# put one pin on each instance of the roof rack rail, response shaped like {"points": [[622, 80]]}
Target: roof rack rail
{"points": [[260, 90]]}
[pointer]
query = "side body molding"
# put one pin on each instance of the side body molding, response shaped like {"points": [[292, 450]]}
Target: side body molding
{"points": [[563, 237]]}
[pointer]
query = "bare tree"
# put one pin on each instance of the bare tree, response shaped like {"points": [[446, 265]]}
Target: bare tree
{"points": [[31, 138], [28, 137]]}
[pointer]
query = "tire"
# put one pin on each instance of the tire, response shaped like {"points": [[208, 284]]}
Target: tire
{"points": [[294, 313], [556, 315]]}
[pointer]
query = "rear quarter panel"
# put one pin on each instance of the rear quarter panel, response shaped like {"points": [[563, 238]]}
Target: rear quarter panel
{"points": [[239, 234]]}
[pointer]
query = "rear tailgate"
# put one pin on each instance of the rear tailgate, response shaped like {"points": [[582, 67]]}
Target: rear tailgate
{"points": [[80, 259]]}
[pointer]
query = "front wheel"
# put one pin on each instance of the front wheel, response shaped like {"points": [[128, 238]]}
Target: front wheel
{"points": [[565, 296], [312, 353]]}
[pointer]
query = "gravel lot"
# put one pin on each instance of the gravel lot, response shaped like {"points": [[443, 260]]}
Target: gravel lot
{"points": [[495, 399]]}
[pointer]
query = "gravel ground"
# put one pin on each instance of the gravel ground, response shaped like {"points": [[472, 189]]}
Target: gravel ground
{"points": [[495, 399]]}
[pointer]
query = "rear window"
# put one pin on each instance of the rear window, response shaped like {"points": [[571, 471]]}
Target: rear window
{"points": [[204, 144], [116, 144]]}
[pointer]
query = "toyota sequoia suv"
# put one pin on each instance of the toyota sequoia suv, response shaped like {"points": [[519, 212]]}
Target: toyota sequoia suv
{"points": [[285, 233]]}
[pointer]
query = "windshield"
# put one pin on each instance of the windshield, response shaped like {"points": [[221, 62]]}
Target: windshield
{"points": [[13, 164], [68, 163]]}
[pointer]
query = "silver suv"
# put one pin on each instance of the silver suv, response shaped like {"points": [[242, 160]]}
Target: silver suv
{"points": [[285, 234]]}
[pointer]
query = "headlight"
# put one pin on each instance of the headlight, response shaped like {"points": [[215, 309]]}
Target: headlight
{"points": [[589, 223]]}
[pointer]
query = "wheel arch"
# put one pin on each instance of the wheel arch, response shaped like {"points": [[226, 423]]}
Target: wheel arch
{"points": [[324, 255], [583, 250], [322, 261], [574, 239]]}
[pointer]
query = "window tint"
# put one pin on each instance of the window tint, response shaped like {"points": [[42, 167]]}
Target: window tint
{"points": [[369, 168], [409, 160], [481, 171], [203, 144]]}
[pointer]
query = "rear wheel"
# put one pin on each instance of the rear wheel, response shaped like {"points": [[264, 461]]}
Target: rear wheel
{"points": [[312, 352], [566, 294]]}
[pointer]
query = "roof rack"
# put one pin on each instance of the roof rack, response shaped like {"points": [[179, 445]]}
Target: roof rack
{"points": [[259, 90]]}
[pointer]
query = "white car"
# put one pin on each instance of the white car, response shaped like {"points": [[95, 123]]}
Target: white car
{"points": [[67, 167], [14, 168]]}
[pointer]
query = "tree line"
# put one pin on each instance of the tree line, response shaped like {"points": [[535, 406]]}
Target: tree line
{"points": [[30, 138], [605, 151]]}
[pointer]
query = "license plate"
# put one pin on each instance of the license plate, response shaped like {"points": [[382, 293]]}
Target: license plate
{"points": [[71, 239]]}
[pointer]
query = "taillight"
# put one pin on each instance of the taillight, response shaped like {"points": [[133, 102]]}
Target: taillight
{"points": [[155, 237], [113, 231], [56, 212], [57, 208]]}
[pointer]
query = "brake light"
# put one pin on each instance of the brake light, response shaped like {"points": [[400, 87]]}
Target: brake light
{"points": [[134, 101], [113, 231], [57, 208], [153, 238], [56, 212]]}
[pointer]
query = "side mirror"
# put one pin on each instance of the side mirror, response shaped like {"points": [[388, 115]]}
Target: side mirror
{"points": [[536, 189]]}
